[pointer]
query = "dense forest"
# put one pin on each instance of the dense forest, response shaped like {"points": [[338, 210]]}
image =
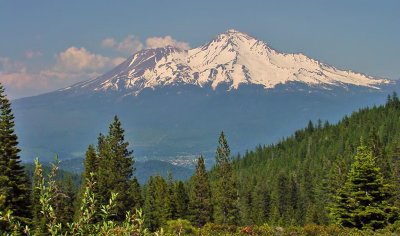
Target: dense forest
{"points": [[327, 179], [292, 182]]}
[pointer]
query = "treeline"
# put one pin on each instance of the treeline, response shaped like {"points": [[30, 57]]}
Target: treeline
{"points": [[346, 175]]}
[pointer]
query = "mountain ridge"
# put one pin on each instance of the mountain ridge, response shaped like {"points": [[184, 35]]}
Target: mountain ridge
{"points": [[232, 58]]}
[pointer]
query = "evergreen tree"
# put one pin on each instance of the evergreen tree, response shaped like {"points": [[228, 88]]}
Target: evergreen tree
{"points": [[363, 200], [14, 184], [200, 196], [181, 199], [115, 168], [91, 161], [395, 161], [283, 197], [226, 194], [135, 194], [170, 203], [156, 203], [112, 166], [64, 199]]}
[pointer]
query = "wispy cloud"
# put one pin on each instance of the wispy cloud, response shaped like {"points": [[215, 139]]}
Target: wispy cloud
{"points": [[158, 42], [132, 44], [18, 80], [8, 65], [128, 45], [77, 60], [72, 65]]}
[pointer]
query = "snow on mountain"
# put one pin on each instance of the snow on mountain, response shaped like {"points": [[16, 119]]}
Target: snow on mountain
{"points": [[232, 58]]}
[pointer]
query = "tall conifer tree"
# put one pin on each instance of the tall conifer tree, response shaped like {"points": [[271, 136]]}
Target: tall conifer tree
{"points": [[200, 197], [112, 166], [14, 184], [115, 168], [363, 201], [181, 200], [226, 194], [156, 204]]}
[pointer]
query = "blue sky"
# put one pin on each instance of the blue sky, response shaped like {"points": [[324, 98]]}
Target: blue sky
{"points": [[46, 45]]}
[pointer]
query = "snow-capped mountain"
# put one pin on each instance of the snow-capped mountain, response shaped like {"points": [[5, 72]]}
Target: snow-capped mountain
{"points": [[232, 58]]}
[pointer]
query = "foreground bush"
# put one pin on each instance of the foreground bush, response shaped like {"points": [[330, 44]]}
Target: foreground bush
{"points": [[86, 223]]}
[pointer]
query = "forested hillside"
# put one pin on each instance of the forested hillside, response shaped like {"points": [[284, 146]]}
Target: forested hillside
{"points": [[294, 181]]}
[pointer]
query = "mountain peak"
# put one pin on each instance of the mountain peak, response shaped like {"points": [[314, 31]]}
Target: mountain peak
{"points": [[233, 36], [232, 58], [232, 31]]}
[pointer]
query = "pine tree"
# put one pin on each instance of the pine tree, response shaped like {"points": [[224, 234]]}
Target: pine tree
{"points": [[226, 194], [170, 203], [14, 184], [395, 179], [64, 199], [283, 196], [112, 166], [115, 168], [91, 164], [200, 197], [135, 194], [181, 200], [91, 161], [363, 201], [156, 204]]}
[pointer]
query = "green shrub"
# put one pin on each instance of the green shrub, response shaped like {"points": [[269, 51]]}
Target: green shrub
{"points": [[180, 227], [218, 230]]}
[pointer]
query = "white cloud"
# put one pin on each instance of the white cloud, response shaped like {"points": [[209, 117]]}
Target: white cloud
{"points": [[8, 65], [157, 42], [128, 45], [132, 44], [18, 81], [108, 43], [72, 65], [77, 60]]}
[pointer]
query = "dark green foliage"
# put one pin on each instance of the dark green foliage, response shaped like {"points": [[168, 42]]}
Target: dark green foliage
{"points": [[62, 175], [112, 166], [135, 194], [180, 198], [225, 191], [91, 164], [363, 200], [200, 195], [302, 172], [395, 178], [64, 200], [91, 160], [156, 204], [115, 168], [180, 227], [14, 185]]}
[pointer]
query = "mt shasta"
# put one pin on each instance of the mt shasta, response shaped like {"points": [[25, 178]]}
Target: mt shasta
{"points": [[173, 103], [232, 58]]}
